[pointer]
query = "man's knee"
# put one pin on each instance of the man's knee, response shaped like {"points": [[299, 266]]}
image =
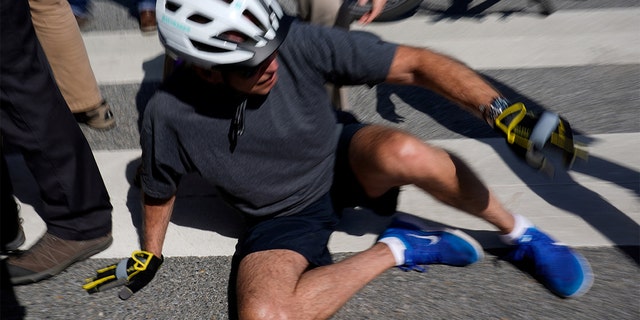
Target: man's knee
{"points": [[389, 147], [389, 157], [266, 282], [262, 308], [402, 147]]}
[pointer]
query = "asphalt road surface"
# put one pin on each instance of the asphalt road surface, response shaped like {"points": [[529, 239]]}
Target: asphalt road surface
{"points": [[582, 61]]}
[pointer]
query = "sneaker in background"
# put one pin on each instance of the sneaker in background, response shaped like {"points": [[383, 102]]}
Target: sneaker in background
{"points": [[148, 21], [563, 271], [100, 118], [50, 256]]}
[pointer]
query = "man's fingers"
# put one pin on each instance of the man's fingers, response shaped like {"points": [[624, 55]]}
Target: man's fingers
{"points": [[125, 293], [366, 18], [376, 9]]}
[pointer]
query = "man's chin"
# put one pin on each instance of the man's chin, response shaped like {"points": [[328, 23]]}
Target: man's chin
{"points": [[266, 86]]}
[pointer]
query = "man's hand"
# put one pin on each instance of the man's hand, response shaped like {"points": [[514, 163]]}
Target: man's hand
{"points": [[528, 134], [134, 273], [376, 10]]}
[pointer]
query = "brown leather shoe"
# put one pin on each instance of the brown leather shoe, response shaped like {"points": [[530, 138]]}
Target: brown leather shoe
{"points": [[148, 21], [50, 256]]}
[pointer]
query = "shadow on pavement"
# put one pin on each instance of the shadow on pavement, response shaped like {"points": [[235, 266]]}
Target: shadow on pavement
{"points": [[197, 206], [480, 9], [595, 210]]}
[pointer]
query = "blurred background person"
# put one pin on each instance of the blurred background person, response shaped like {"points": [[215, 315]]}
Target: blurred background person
{"points": [[62, 43], [36, 121], [146, 10]]}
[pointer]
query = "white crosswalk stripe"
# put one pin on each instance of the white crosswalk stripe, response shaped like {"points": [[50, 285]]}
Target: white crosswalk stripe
{"points": [[571, 38], [566, 38]]}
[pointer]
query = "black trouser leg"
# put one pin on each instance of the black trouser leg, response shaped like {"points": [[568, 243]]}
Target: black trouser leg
{"points": [[9, 220], [37, 120]]}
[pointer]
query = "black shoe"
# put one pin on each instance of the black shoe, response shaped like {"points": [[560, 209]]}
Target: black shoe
{"points": [[12, 245], [100, 118]]}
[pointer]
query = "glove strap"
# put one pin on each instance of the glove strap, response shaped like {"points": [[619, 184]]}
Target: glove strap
{"points": [[516, 113], [141, 259]]}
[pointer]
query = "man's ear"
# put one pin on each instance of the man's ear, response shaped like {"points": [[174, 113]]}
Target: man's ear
{"points": [[210, 75]]}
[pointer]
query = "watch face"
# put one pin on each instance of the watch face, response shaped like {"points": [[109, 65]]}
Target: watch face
{"points": [[492, 111]]}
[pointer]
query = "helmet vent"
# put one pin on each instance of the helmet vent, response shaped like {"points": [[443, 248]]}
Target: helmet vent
{"points": [[247, 14], [197, 18], [172, 6], [236, 37], [207, 48]]}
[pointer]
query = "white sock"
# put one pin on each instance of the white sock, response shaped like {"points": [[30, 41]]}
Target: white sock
{"points": [[521, 225], [397, 248]]}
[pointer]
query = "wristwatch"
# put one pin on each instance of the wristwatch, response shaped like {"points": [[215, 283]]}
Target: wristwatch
{"points": [[493, 110]]}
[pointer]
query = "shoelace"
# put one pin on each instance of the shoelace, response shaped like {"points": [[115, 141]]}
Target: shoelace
{"points": [[416, 267], [527, 250], [413, 266], [523, 250]]}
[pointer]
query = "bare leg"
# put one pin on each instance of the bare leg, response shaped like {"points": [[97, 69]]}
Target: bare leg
{"points": [[383, 158], [277, 284]]}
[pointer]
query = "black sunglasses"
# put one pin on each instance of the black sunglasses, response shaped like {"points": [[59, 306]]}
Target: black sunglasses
{"points": [[248, 72]]}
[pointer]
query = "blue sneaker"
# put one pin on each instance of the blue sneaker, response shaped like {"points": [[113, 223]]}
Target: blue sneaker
{"points": [[563, 271], [433, 246]]}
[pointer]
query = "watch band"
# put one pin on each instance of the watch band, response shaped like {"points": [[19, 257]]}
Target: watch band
{"points": [[493, 110]]}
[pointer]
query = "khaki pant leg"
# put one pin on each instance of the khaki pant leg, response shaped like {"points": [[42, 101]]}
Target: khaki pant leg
{"points": [[60, 37]]}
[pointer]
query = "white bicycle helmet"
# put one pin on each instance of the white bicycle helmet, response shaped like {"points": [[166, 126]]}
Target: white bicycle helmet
{"points": [[206, 32]]}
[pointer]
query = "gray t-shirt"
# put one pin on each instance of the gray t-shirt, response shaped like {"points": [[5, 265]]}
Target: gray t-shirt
{"points": [[284, 159]]}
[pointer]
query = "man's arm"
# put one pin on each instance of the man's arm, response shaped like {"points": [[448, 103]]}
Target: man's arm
{"points": [[443, 75], [528, 132], [157, 213], [138, 270]]}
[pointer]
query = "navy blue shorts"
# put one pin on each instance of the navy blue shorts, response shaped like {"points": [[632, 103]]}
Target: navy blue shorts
{"points": [[308, 231]]}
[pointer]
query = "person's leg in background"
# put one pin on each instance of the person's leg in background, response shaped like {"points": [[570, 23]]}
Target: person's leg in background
{"points": [[36, 120], [147, 15], [80, 10], [62, 43], [11, 233]]}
